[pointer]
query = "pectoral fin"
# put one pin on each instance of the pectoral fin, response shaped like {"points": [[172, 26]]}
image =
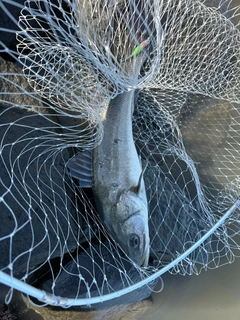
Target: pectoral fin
{"points": [[137, 188], [80, 167]]}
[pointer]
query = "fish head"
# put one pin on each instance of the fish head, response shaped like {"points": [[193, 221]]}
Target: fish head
{"points": [[129, 226]]}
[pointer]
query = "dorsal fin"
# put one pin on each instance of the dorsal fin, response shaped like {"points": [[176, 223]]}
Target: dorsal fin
{"points": [[80, 167]]}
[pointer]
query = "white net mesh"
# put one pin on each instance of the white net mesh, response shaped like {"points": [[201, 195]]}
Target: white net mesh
{"points": [[72, 59]]}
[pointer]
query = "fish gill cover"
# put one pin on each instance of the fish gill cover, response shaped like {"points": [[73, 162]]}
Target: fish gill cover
{"points": [[62, 62]]}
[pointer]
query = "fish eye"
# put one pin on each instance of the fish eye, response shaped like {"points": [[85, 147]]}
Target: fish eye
{"points": [[134, 241]]}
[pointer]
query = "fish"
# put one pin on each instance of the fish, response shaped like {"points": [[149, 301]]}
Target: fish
{"points": [[114, 172]]}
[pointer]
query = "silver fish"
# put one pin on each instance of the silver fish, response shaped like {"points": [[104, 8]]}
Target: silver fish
{"points": [[117, 178]]}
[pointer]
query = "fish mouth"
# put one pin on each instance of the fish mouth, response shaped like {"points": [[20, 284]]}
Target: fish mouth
{"points": [[146, 253], [145, 261]]}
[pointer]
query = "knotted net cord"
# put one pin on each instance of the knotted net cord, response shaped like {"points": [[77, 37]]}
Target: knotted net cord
{"points": [[73, 58]]}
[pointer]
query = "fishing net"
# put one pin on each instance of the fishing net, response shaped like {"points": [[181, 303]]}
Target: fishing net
{"points": [[61, 64]]}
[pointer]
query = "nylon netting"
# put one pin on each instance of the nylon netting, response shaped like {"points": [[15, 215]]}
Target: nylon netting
{"points": [[68, 60]]}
